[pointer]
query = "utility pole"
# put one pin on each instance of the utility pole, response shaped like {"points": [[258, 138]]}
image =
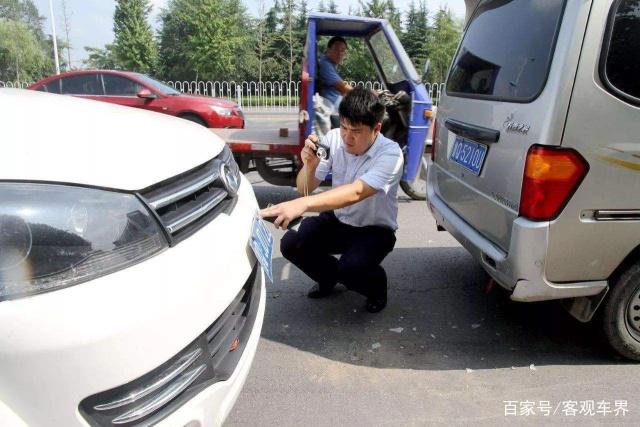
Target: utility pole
{"points": [[66, 15], [55, 41]]}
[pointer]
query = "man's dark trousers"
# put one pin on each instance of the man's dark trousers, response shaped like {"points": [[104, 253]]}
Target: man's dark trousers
{"points": [[362, 249]]}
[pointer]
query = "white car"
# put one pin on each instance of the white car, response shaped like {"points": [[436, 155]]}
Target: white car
{"points": [[129, 293]]}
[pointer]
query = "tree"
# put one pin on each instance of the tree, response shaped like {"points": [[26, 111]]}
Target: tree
{"points": [[393, 16], [134, 45], [33, 65], [209, 39], [358, 64], [281, 42], [262, 42], [301, 20], [101, 59], [287, 40], [273, 18], [414, 38], [244, 57], [332, 7], [382, 9], [443, 41], [174, 64], [21, 54], [373, 8], [24, 11]]}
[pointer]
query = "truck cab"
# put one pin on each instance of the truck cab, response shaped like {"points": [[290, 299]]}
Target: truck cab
{"points": [[409, 106]]}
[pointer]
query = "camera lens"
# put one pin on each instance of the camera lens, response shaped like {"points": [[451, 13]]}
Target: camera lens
{"points": [[322, 153]]}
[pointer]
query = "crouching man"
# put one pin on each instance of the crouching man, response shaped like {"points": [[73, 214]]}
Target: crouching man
{"points": [[358, 215]]}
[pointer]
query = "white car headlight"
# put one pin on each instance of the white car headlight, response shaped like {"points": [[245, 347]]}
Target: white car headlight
{"points": [[54, 236], [222, 111]]}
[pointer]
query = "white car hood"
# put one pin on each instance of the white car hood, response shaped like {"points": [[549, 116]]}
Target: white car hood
{"points": [[59, 138]]}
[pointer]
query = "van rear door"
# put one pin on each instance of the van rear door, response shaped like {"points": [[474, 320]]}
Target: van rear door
{"points": [[600, 226], [508, 88]]}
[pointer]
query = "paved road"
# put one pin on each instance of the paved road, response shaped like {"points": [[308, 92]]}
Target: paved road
{"points": [[444, 351], [271, 120]]}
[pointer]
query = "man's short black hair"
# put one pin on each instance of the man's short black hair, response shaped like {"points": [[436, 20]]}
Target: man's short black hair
{"points": [[333, 40], [361, 106]]}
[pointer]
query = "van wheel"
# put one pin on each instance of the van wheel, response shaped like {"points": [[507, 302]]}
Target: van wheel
{"points": [[417, 189], [621, 317], [193, 118]]}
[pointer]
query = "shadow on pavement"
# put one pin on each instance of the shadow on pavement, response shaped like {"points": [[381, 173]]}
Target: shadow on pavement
{"points": [[439, 317]]}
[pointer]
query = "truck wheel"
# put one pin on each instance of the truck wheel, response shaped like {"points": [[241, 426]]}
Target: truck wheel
{"points": [[417, 189], [277, 171], [621, 317]]}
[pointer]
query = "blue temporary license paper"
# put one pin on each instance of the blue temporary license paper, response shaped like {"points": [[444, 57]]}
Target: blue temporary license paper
{"points": [[262, 245]]}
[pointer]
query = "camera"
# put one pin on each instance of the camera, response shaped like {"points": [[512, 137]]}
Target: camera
{"points": [[322, 151]]}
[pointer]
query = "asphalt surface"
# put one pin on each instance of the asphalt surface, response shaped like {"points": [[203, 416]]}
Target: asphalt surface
{"points": [[446, 350]]}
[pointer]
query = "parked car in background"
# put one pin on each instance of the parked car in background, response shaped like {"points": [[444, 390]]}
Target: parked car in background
{"points": [[141, 91], [536, 158], [129, 292]]}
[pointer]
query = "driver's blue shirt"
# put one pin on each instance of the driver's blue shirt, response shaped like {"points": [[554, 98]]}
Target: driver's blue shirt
{"points": [[328, 76]]}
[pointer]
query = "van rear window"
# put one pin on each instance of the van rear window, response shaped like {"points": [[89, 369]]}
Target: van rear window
{"points": [[622, 51], [507, 49]]}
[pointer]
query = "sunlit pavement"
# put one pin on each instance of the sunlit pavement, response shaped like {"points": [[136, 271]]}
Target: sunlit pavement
{"points": [[444, 351]]}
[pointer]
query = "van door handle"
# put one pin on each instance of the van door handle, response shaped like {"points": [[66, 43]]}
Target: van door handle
{"points": [[473, 132]]}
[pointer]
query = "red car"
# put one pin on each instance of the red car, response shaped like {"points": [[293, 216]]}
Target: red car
{"points": [[141, 91]]}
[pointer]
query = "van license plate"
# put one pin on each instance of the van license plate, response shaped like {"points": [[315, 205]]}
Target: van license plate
{"points": [[262, 245], [468, 154]]}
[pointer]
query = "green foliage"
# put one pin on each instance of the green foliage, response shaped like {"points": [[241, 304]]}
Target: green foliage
{"points": [[24, 11], [218, 40], [301, 20], [134, 46], [101, 59], [25, 50], [443, 40], [21, 55], [414, 38], [205, 39], [358, 64], [287, 46], [393, 16]]}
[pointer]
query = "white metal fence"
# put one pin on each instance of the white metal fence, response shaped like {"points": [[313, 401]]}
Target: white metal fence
{"points": [[270, 96], [18, 85], [256, 96]]}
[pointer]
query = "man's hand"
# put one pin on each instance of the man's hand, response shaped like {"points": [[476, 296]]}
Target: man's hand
{"points": [[306, 181], [308, 154], [343, 87], [285, 212]]}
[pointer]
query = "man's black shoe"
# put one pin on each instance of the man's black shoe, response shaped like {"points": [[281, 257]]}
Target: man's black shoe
{"points": [[318, 291], [376, 304]]}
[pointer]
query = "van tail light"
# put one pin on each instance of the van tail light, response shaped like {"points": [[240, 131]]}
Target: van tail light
{"points": [[434, 135], [551, 176]]}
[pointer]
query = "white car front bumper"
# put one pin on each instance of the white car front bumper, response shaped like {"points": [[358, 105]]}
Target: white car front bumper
{"points": [[59, 348]]}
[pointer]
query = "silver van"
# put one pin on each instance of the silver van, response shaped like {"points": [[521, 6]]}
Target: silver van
{"points": [[535, 167]]}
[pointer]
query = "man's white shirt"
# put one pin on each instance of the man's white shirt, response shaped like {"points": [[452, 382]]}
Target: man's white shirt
{"points": [[380, 167]]}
